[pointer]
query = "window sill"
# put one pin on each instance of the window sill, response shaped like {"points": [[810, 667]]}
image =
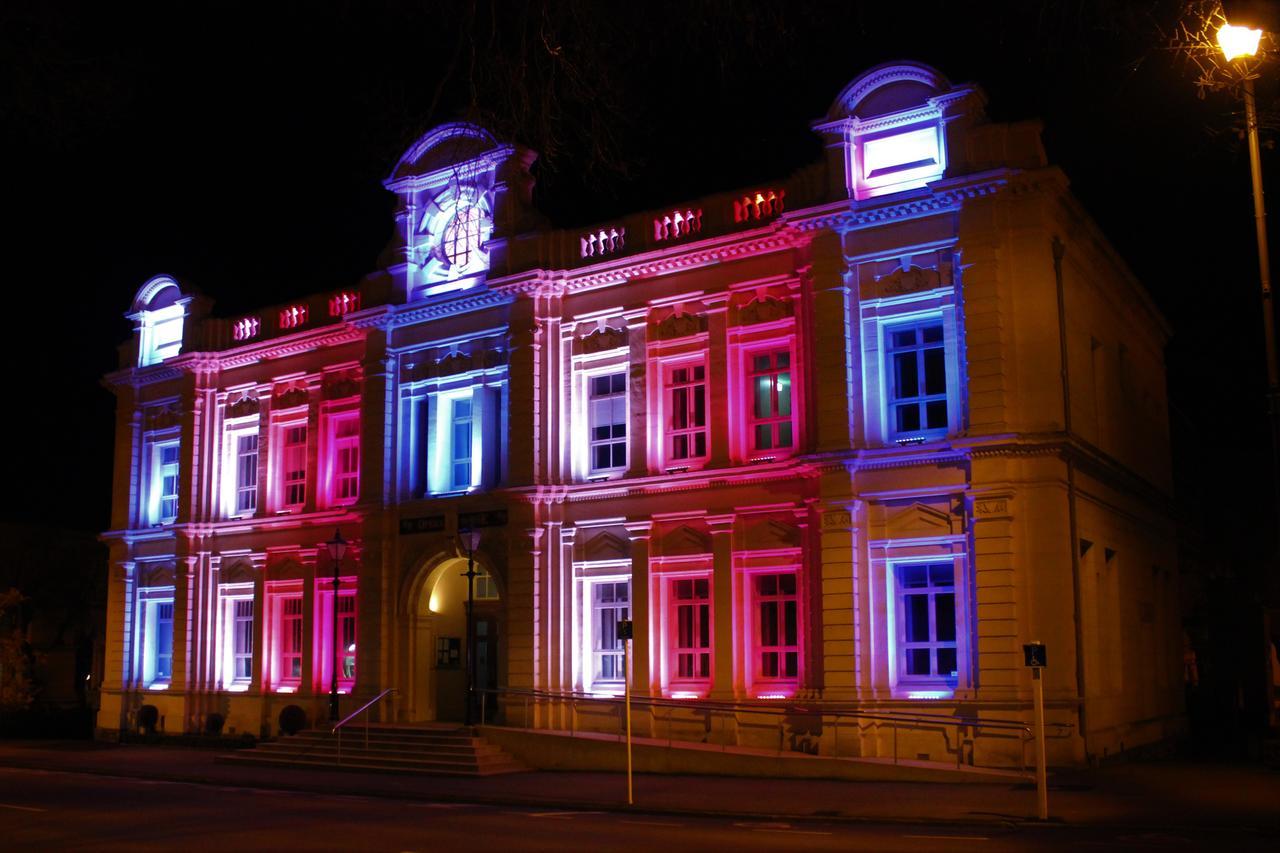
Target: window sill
{"points": [[923, 692], [158, 685]]}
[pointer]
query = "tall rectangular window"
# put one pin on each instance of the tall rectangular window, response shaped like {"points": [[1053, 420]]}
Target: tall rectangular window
{"points": [[691, 611], [926, 617], [917, 364], [607, 421], [770, 377], [246, 472], [346, 458], [460, 442], [291, 639], [242, 639], [164, 482], [293, 466], [687, 413], [777, 640], [164, 641], [610, 604]]}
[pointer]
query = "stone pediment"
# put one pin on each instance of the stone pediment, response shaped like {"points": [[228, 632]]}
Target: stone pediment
{"points": [[603, 339], [606, 546], [286, 569], [163, 417], [290, 397], [916, 520], [685, 541], [681, 326], [158, 574], [902, 281], [769, 534], [341, 385], [240, 571], [243, 407], [455, 362], [764, 310]]}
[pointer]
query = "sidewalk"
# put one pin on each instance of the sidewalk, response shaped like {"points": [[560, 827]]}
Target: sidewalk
{"points": [[1150, 795]]}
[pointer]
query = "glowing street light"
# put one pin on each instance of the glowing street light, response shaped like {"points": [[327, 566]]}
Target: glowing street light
{"points": [[1238, 42]]}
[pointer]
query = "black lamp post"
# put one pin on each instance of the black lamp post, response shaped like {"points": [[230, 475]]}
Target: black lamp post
{"points": [[337, 547], [470, 540]]}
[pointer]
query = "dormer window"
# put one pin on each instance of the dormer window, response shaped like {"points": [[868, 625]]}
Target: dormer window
{"points": [[159, 311], [462, 236]]}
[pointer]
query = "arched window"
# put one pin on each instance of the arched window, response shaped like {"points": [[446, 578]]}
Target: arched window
{"points": [[159, 311]]}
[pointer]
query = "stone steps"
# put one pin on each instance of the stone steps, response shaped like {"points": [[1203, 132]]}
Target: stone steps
{"points": [[390, 749]]}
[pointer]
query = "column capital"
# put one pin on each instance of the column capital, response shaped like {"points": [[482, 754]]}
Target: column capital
{"points": [[639, 530], [721, 523]]}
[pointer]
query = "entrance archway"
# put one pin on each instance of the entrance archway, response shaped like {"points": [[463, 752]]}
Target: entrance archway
{"points": [[438, 639]]}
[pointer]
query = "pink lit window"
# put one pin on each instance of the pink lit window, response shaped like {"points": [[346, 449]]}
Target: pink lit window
{"points": [[687, 413], [777, 639], [770, 379], [345, 451], [291, 639], [293, 466], [339, 644], [347, 637], [691, 636]]}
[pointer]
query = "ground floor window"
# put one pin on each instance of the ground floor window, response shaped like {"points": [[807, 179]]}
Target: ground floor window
{"points": [[336, 634], [688, 634], [608, 602], [154, 651], [777, 637], [925, 635], [236, 637]]}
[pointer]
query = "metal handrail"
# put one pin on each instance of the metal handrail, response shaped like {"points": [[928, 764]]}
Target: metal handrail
{"points": [[912, 719], [337, 729]]}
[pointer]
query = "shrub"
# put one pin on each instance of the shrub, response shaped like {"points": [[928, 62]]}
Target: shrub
{"points": [[292, 720], [213, 723]]}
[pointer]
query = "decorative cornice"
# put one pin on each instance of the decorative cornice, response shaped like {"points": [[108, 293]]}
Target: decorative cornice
{"points": [[459, 304]]}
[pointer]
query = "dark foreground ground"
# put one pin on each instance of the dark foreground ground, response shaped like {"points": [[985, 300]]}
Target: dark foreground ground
{"points": [[86, 796]]}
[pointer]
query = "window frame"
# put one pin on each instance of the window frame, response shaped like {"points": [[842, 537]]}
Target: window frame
{"points": [[323, 636], [776, 420], [230, 648], [284, 447], [759, 678], [670, 432], [592, 443], [335, 447], [902, 645], [232, 488], [674, 683], [149, 601], [152, 495], [922, 399], [593, 642]]}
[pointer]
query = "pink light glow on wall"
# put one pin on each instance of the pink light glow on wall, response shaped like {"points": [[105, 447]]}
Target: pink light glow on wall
{"points": [[764, 204], [606, 241], [245, 328], [677, 223]]}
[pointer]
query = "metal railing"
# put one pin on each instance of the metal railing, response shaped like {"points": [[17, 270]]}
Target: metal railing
{"points": [[337, 729], [909, 721]]}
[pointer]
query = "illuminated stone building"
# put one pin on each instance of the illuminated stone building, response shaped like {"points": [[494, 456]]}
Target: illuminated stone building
{"points": [[846, 440]]}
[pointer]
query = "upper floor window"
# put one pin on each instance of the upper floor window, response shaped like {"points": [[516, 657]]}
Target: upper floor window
{"points": [[686, 437], [925, 611], [607, 421], [160, 311], [917, 365], [344, 457], [460, 431], [246, 459], [462, 235], [160, 482], [771, 410], [293, 466]]}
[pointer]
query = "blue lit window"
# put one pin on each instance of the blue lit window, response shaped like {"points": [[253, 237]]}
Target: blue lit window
{"points": [[917, 374], [154, 649], [160, 484], [460, 444], [926, 617], [607, 421]]}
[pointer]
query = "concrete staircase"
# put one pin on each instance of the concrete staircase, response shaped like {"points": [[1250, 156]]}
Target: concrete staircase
{"points": [[430, 750]]}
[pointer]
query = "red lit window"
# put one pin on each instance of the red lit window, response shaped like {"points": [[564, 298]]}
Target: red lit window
{"points": [[245, 328], [690, 631], [344, 303], [777, 643], [293, 316], [288, 635], [769, 374], [293, 465], [345, 458], [686, 421]]}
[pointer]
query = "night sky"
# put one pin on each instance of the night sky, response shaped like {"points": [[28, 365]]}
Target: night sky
{"points": [[242, 148]]}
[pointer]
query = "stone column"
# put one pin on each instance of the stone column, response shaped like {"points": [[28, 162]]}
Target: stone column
{"points": [[840, 605], [641, 613], [727, 676], [830, 384], [638, 396], [718, 374]]}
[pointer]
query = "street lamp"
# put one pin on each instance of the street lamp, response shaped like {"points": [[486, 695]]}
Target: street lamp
{"points": [[337, 547], [470, 540], [1241, 43]]}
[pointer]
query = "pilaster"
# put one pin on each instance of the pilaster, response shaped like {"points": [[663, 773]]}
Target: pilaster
{"points": [[727, 670]]}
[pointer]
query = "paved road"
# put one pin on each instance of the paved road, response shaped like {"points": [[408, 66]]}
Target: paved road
{"points": [[47, 810]]}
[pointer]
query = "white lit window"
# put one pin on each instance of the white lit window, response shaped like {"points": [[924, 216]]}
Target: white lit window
{"points": [[687, 412], [462, 236], [235, 632], [610, 603], [345, 458], [293, 466], [900, 161], [916, 362], [607, 421], [777, 643], [925, 613], [160, 504], [460, 442], [154, 649], [161, 334], [690, 637], [771, 420], [246, 461]]}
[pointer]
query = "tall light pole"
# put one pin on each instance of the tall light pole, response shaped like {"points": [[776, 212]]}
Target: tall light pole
{"points": [[470, 541], [1241, 43], [337, 547]]}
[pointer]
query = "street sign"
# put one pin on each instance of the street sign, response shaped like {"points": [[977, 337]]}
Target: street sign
{"points": [[624, 629], [1033, 654]]}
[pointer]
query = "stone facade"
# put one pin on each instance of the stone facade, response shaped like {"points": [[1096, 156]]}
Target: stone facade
{"points": [[839, 446]]}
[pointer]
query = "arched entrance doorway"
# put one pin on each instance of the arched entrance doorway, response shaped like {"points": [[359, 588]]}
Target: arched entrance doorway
{"points": [[438, 641]]}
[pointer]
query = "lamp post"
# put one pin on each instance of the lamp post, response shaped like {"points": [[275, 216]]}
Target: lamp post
{"points": [[1241, 43], [337, 547], [470, 541]]}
